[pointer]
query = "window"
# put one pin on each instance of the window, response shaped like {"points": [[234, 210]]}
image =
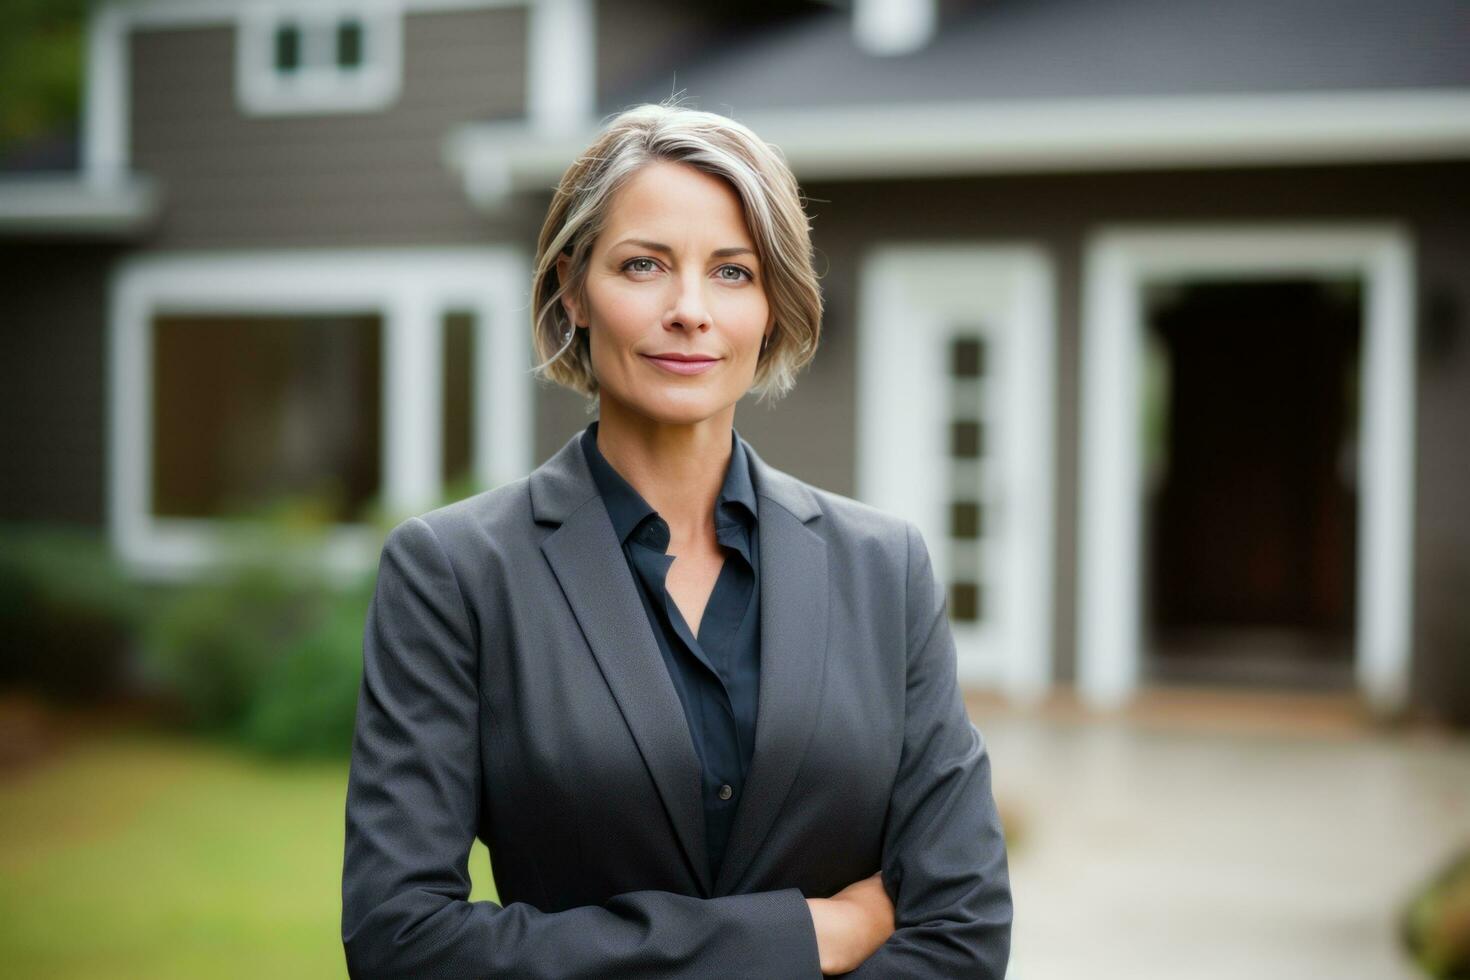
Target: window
{"points": [[315, 58], [288, 48], [349, 43], [252, 411], [337, 384], [967, 451], [458, 407]]}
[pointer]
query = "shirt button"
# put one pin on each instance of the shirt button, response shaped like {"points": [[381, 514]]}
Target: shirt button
{"points": [[726, 792]]}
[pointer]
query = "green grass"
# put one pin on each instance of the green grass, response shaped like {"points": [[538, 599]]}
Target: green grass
{"points": [[145, 856]]}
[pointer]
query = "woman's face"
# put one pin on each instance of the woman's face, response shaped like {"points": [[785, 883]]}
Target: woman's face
{"points": [[674, 272]]}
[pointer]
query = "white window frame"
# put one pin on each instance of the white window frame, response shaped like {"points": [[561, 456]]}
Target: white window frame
{"points": [[318, 85], [411, 288], [1120, 263], [910, 295]]}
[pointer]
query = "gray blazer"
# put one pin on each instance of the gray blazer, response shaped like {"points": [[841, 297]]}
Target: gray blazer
{"points": [[512, 690]]}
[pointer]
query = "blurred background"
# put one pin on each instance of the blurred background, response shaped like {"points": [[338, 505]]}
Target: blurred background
{"points": [[1150, 314]]}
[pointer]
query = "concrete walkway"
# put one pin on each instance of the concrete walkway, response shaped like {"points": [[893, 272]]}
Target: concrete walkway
{"points": [[1207, 837]]}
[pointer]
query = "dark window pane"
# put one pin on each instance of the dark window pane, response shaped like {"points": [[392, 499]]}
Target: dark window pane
{"points": [[967, 357], [964, 602], [248, 410], [458, 395], [965, 438], [349, 43], [964, 519], [288, 47]]}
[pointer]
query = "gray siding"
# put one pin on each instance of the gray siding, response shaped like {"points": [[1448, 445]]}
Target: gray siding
{"points": [[329, 179], [638, 40], [648, 50], [52, 350]]}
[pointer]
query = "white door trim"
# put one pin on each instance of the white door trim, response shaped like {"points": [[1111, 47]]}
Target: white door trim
{"points": [[1118, 263], [909, 295], [410, 287]]}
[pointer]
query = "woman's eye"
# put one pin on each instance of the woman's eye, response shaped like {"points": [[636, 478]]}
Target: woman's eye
{"points": [[649, 265]]}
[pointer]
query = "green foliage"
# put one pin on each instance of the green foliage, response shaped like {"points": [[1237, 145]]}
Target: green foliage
{"points": [[1436, 924], [264, 649], [306, 703], [41, 44], [213, 643], [267, 649]]}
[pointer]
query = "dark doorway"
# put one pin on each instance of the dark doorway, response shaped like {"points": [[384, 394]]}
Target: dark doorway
{"points": [[1251, 497]]}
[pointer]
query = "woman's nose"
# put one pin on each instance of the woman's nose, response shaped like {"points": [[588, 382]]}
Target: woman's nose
{"points": [[689, 309]]}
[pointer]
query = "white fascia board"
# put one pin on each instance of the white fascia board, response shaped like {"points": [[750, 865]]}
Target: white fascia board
{"points": [[73, 204], [954, 138]]}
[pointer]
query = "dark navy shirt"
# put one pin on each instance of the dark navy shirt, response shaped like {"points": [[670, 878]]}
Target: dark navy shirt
{"points": [[716, 673]]}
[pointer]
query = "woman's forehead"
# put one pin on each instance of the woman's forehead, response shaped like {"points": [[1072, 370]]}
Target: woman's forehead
{"points": [[667, 198]]}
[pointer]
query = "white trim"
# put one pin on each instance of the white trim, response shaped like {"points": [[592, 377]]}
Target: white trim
{"points": [[105, 108], [561, 66], [1119, 262], [44, 203], [412, 287], [1082, 134], [318, 85], [195, 13], [910, 296]]}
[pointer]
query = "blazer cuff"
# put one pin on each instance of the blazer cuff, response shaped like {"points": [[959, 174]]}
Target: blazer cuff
{"points": [[779, 931]]}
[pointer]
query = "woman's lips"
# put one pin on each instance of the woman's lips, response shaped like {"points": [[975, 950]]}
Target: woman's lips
{"points": [[681, 367]]}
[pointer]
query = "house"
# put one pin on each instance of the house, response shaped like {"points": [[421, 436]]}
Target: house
{"points": [[1149, 314]]}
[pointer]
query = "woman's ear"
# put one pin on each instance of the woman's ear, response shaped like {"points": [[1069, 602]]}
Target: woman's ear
{"points": [[568, 301]]}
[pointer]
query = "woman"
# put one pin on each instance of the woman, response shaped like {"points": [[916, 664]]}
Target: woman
{"points": [[703, 714]]}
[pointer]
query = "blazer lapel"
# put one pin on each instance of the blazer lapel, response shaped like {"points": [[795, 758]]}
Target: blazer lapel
{"points": [[588, 561], [794, 608]]}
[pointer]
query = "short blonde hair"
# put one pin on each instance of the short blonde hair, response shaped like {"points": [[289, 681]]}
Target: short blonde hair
{"points": [[773, 208]]}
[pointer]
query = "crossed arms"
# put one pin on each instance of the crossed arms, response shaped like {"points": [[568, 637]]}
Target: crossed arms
{"points": [[413, 808]]}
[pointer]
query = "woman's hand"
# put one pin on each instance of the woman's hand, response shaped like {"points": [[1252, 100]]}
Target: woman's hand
{"points": [[851, 924]]}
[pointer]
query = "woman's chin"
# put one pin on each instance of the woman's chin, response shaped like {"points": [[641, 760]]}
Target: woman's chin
{"points": [[680, 407]]}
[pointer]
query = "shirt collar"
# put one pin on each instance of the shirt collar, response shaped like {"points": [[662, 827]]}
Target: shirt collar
{"points": [[628, 509]]}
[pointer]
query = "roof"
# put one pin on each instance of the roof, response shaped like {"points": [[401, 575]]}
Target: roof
{"points": [[1048, 85], [67, 203], [1061, 49]]}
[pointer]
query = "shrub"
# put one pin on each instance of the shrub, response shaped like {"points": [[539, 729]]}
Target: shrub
{"points": [[211, 644], [306, 702], [1436, 924]]}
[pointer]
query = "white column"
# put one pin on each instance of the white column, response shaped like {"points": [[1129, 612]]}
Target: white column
{"points": [[1386, 462], [105, 100], [561, 85], [413, 350]]}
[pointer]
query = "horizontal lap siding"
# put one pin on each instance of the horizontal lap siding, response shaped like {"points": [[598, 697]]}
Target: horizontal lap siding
{"points": [[322, 179], [52, 356]]}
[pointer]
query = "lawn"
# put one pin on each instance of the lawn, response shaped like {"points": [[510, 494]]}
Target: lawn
{"points": [[147, 856]]}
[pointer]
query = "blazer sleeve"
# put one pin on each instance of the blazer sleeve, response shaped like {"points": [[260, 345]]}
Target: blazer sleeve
{"points": [[412, 814], [944, 856]]}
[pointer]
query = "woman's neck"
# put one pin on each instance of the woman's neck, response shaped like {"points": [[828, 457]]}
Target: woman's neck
{"points": [[678, 468]]}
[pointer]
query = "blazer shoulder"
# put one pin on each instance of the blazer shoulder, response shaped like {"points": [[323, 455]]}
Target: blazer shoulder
{"points": [[491, 514], [863, 526]]}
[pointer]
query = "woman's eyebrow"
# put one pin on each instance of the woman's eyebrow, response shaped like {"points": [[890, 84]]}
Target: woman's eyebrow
{"points": [[719, 253]]}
